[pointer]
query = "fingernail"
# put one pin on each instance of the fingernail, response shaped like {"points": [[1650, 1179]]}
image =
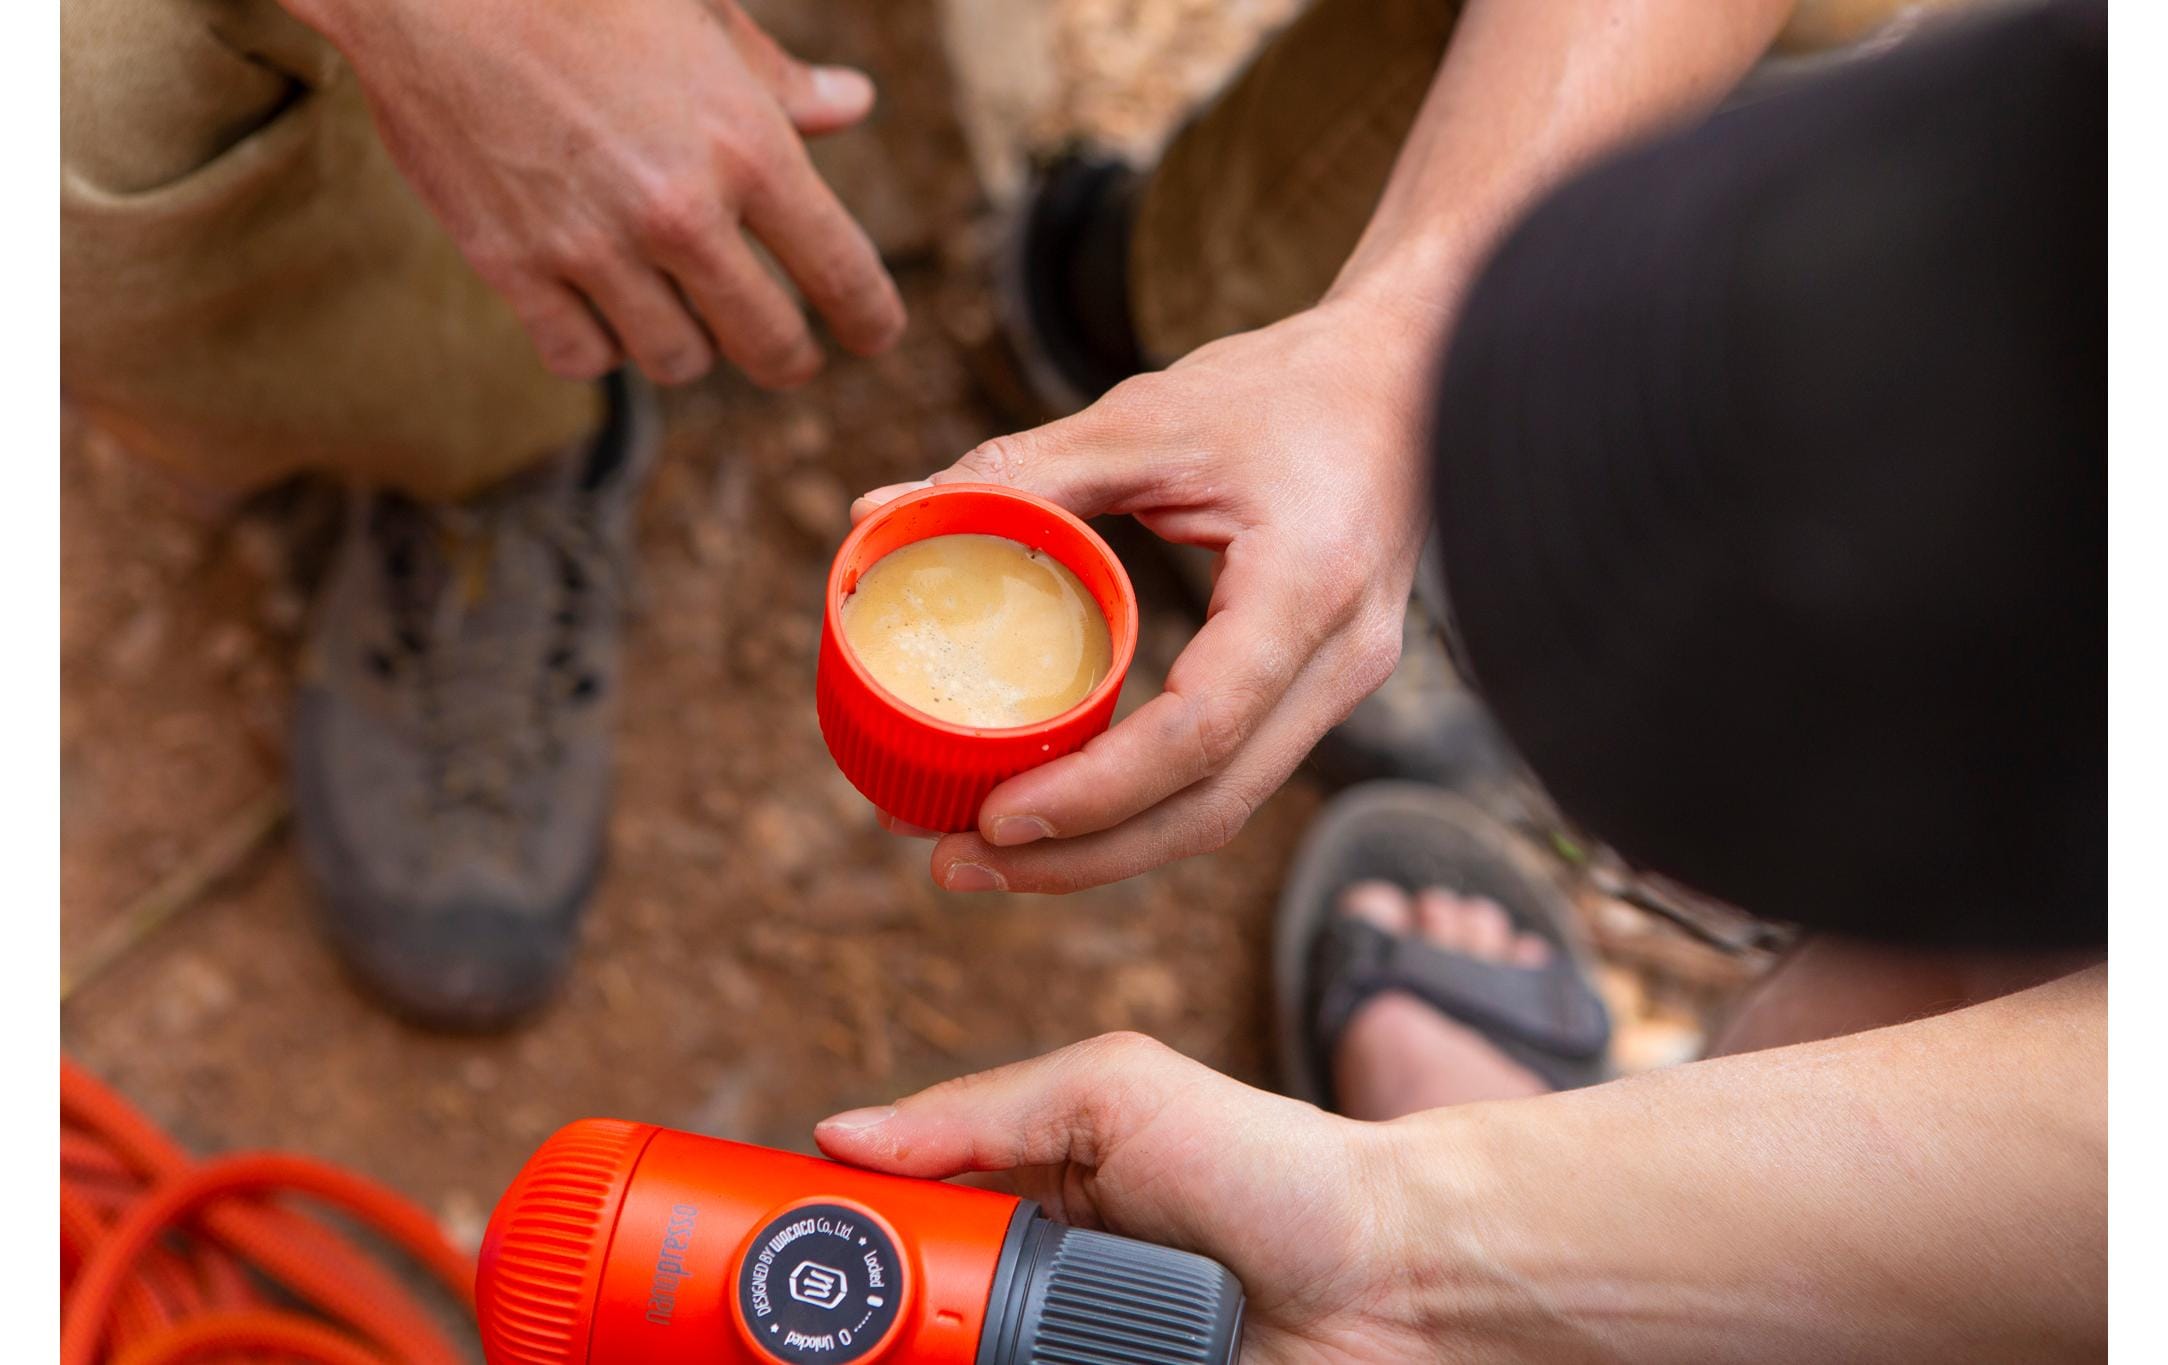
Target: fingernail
{"points": [[904, 830], [972, 877], [858, 1120], [889, 492], [1011, 830], [841, 85]]}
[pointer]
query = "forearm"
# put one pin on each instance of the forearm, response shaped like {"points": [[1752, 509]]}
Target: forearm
{"points": [[1526, 93], [1936, 1190]]}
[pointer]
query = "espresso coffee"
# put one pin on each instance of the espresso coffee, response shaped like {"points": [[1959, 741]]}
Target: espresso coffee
{"points": [[977, 630]]}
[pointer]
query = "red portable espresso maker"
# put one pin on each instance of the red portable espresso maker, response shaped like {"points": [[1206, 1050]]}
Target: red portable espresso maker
{"points": [[628, 1244]]}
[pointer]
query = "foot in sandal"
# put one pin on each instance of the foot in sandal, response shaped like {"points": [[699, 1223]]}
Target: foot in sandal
{"points": [[1397, 1054], [1424, 957]]}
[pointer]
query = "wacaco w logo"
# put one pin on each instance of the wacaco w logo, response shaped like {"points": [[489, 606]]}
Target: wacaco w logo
{"points": [[817, 1284]]}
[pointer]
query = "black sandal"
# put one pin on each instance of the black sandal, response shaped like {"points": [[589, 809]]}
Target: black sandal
{"points": [[1326, 964]]}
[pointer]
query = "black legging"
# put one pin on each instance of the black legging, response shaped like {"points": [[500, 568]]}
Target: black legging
{"points": [[1772, 493]]}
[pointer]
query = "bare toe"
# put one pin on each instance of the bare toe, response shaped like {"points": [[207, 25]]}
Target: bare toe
{"points": [[1442, 919], [1487, 929], [1380, 904]]}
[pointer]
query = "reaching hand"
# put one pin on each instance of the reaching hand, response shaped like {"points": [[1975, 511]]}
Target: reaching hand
{"points": [[602, 166], [1295, 452], [1122, 1134]]}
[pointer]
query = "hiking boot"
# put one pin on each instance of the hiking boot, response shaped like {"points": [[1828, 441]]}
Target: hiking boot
{"points": [[452, 735], [1062, 286]]}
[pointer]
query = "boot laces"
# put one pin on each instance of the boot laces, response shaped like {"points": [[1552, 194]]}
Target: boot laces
{"points": [[490, 721]]}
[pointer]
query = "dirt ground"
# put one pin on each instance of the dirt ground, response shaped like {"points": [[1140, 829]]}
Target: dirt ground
{"points": [[760, 953]]}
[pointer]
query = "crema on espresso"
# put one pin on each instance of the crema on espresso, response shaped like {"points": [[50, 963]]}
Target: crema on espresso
{"points": [[978, 630]]}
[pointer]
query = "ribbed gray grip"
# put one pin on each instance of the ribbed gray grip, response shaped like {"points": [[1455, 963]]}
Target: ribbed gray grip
{"points": [[1103, 1300]]}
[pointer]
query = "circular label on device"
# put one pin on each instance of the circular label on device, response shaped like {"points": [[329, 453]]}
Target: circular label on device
{"points": [[820, 1282]]}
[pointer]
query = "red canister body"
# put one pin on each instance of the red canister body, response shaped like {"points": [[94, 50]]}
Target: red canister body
{"points": [[929, 772], [628, 1244]]}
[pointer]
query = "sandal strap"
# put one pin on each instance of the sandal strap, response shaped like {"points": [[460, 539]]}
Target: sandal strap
{"points": [[1548, 1010]]}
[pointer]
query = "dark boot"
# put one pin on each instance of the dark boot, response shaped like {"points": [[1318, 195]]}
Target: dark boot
{"points": [[453, 733]]}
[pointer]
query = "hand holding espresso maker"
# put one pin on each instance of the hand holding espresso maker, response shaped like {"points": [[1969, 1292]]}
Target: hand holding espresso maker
{"points": [[628, 1244]]}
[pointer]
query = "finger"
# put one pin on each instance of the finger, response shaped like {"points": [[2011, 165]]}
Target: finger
{"points": [[573, 344], [651, 321], [1124, 453], [822, 99], [1075, 1105], [822, 247], [1118, 1132], [1221, 689], [1196, 820], [1002, 1182], [817, 99], [867, 502], [902, 828], [1115, 456], [752, 318]]}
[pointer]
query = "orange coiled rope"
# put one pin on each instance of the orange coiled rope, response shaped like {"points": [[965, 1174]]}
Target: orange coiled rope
{"points": [[165, 1259]]}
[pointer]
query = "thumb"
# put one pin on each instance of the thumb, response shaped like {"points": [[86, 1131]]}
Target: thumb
{"points": [[1073, 1106]]}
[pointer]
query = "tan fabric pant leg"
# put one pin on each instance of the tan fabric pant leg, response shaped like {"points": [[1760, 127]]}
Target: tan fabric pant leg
{"points": [[1260, 199], [248, 289]]}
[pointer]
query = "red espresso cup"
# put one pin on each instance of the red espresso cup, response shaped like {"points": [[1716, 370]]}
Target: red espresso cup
{"points": [[929, 772]]}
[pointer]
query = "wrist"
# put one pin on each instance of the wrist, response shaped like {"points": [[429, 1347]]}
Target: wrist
{"points": [[1441, 1196], [1483, 1251], [1397, 306], [1386, 351], [1418, 279]]}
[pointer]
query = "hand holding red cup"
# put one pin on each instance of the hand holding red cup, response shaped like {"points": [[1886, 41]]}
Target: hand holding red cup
{"points": [[930, 773]]}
